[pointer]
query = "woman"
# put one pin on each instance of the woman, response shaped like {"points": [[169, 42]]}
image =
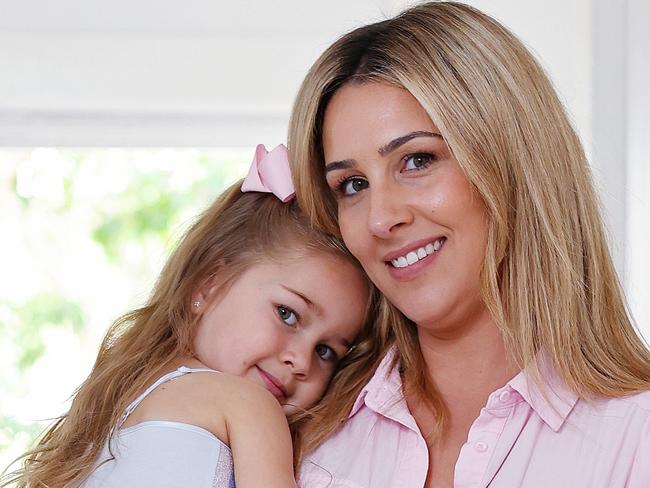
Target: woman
{"points": [[434, 143]]}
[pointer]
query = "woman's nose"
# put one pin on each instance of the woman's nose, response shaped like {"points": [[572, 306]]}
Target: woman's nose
{"points": [[388, 210]]}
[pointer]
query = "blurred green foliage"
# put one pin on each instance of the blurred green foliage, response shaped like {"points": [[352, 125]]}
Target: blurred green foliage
{"points": [[42, 310], [13, 429], [88, 210]]}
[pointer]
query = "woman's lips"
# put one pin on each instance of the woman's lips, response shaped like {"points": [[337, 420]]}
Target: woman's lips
{"points": [[411, 270]]}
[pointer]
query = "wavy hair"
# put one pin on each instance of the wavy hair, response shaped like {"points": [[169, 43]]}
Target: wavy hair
{"points": [[547, 278], [236, 231]]}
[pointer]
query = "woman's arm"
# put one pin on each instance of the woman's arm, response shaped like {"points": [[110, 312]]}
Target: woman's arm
{"points": [[259, 438]]}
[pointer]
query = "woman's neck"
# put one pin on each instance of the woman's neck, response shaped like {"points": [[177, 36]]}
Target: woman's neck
{"points": [[467, 363]]}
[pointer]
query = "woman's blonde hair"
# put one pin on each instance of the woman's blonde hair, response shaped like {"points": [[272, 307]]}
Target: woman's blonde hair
{"points": [[235, 232], [547, 278]]}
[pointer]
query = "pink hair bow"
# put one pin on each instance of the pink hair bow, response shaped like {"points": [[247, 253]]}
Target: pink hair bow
{"points": [[270, 173]]}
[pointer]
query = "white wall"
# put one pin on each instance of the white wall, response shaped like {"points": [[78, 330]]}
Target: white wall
{"points": [[205, 72], [210, 73], [160, 72], [202, 72], [637, 163], [558, 32]]}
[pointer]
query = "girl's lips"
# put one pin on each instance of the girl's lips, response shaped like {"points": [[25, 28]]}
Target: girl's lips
{"points": [[272, 383]]}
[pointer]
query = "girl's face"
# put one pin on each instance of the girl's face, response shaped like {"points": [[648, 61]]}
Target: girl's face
{"points": [[284, 324], [406, 209]]}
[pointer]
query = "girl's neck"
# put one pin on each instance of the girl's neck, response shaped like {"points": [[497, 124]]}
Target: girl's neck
{"points": [[190, 362]]}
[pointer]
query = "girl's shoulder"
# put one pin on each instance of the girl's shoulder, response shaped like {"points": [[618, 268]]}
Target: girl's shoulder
{"points": [[211, 400], [249, 410], [237, 397], [226, 390]]}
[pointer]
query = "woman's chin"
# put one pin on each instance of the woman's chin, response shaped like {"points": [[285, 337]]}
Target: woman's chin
{"points": [[441, 316], [422, 314]]}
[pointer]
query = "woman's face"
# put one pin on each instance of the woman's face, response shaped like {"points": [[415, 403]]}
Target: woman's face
{"points": [[406, 209]]}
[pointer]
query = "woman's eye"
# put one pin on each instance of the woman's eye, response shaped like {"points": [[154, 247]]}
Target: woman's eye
{"points": [[417, 161], [352, 186], [326, 353], [287, 315]]}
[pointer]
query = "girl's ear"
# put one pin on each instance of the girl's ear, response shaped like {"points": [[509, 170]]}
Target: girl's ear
{"points": [[203, 294]]}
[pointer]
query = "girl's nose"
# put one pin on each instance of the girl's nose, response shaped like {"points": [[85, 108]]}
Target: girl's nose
{"points": [[298, 357]]}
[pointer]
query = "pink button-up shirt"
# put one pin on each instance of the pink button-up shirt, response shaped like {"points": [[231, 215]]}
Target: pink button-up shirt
{"points": [[520, 439]]}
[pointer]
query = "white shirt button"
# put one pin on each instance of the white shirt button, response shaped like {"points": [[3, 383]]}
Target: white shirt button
{"points": [[481, 446]]}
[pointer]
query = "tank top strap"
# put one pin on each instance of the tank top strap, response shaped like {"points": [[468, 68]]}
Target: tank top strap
{"points": [[181, 371]]}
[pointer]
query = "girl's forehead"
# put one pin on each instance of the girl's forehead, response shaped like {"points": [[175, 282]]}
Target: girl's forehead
{"points": [[313, 259], [315, 271]]}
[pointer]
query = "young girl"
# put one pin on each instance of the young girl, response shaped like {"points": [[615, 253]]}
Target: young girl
{"points": [[251, 316]]}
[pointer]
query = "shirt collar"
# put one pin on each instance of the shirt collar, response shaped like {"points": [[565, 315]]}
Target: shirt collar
{"points": [[386, 383], [553, 403], [554, 400]]}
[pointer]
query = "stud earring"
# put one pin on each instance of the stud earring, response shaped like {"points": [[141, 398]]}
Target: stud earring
{"points": [[196, 304]]}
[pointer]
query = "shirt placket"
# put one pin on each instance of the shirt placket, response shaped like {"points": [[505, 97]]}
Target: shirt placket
{"points": [[413, 453], [482, 439]]}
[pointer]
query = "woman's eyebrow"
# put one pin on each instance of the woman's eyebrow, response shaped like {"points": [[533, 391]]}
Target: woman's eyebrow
{"points": [[383, 150], [344, 164], [400, 141]]}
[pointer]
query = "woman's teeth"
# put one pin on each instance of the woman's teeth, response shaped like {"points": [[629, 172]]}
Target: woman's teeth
{"points": [[420, 253]]}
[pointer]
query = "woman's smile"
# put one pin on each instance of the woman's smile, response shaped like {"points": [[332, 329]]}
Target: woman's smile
{"points": [[407, 263]]}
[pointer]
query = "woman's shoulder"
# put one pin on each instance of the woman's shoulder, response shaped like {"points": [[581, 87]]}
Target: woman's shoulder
{"points": [[635, 423], [632, 404], [625, 417], [637, 406], [639, 400]]}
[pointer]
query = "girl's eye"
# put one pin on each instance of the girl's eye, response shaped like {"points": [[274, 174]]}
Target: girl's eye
{"points": [[418, 161], [326, 353], [287, 315], [351, 186]]}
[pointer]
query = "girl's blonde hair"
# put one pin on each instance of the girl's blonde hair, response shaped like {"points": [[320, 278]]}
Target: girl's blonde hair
{"points": [[547, 278], [238, 230]]}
